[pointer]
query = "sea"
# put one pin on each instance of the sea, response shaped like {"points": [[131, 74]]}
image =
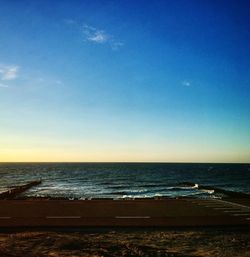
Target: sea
{"points": [[125, 180]]}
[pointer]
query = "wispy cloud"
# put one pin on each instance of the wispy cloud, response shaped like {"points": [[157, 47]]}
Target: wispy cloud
{"points": [[59, 82], [42, 81], [99, 36], [8, 72], [70, 21], [3, 85], [186, 83], [95, 35], [11, 77], [115, 45]]}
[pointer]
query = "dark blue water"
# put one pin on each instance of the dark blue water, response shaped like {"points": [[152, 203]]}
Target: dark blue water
{"points": [[121, 180]]}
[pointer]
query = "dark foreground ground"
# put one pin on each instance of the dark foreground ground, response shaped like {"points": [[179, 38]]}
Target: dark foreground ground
{"points": [[193, 227], [212, 242]]}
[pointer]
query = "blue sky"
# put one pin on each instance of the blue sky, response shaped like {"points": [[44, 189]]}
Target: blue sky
{"points": [[125, 81]]}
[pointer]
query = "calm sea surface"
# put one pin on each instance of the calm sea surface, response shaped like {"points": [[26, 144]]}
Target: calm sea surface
{"points": [[121, 180]]}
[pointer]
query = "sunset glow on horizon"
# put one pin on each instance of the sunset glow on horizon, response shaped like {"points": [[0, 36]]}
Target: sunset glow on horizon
{"points": [[125, 81]]}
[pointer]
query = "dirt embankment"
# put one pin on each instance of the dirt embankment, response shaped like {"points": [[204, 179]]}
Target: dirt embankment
{"points": [[188, 243]]}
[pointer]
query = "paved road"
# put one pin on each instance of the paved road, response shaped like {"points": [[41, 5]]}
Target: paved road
{"points": [[141, 213]]}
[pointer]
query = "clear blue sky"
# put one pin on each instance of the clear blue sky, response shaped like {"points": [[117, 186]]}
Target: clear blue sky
{"points": [[125, 81]]}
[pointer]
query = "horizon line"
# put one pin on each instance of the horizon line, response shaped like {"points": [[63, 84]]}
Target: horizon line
{"points": [[118, 162]]}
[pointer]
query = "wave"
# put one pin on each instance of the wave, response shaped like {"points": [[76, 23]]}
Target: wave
{"points": [[129, 180]]}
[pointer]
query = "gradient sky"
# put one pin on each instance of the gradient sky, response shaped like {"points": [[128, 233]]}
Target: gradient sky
{"points": [[125, 81]]}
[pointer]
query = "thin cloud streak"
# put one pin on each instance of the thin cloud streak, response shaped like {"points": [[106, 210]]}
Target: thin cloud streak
{"points": [[98, 36], [59, 82], [42, 81], [8, 72], [95, 35], [3, 85]]}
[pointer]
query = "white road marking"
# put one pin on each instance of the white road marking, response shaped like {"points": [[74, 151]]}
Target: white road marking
{"points": [[63, 217], [5, 218], [132, 217]]}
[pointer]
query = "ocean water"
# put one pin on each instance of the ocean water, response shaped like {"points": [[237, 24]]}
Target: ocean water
{"points": [[124, 180]]}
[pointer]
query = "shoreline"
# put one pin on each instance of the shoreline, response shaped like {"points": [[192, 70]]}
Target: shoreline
{"points": [[18, 192]]}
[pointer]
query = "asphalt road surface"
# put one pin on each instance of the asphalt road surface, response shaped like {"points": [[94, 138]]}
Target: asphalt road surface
{"points": [[123, 213]]}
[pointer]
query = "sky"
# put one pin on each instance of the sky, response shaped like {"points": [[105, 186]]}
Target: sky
{"points": [[125, 81]]}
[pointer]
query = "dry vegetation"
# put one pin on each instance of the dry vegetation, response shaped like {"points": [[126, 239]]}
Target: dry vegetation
{"points": [[209, 242]]}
